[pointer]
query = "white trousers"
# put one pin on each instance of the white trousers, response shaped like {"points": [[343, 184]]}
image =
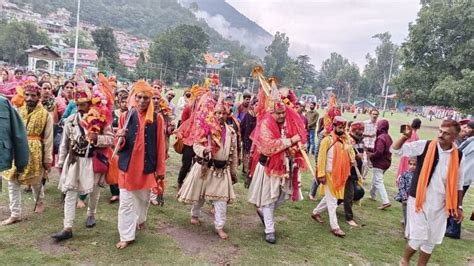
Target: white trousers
{"points": [[422, 245], [328, 202], [132, 211], [70, 205], [268, 213], [378, 186], [220, 212], [153, 196], [14, 193]]}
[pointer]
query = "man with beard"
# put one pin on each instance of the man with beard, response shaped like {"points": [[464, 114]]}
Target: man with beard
{"points": [[334, 165], [214, 172], [141, 161], [436, 189], [273, 180], [75, 163], [39, 128], [356, 139]]}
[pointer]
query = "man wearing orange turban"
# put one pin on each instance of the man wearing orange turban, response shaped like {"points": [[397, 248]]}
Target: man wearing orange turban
{"points": [[141, 160], [334, 166]]}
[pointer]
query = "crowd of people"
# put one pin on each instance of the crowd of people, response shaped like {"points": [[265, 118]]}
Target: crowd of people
{"points": [[99, 132]]}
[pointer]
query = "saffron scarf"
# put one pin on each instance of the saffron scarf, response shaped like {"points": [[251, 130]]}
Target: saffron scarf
{"points": [[451, 181], [341, 163]]}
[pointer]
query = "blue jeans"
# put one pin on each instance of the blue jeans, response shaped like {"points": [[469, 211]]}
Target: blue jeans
{"points": [[311, 146]]}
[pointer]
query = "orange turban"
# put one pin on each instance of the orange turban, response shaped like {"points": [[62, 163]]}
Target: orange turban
{"points": [[141, 86]]}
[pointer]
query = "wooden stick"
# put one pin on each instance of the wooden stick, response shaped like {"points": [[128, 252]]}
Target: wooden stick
{"points": [[121, 139]]}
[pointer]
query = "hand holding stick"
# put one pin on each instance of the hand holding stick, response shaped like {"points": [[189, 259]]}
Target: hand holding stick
{"points": [[122, 138]]}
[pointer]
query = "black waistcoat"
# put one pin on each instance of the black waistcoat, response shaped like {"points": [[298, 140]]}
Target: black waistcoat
{"points": [[419, 164], [150, 145]]}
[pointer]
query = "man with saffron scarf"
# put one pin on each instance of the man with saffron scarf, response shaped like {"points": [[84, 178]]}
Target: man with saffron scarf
{"points": [[275, 162], [39, 127], [141, 161], [334, 167], [436, 189]]}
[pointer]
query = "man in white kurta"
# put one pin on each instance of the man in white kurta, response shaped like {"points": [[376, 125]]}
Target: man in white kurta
{"points": [[76, 167], [426, 228]]}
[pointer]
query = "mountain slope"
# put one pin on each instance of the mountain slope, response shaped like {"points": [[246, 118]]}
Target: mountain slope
{"points": [[139, 17]]}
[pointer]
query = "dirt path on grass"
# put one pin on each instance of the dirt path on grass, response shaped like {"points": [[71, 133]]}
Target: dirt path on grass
{"points": [[203, 244]]}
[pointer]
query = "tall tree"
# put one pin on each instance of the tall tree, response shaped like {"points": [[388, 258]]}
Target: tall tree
{"points": [[16, 37], [107, 49], [300, 74], [437, 56], [307, 70], [338, 73], [277, 55], [84, 39], [142, 66], [179, 49], [377, 69]]}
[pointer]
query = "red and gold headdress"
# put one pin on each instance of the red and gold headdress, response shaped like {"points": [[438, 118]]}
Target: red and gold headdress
{"points": [[357, 125], [82, 94]]}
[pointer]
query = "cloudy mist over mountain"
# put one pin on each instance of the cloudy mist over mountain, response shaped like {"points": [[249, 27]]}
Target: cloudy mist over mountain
{"points": [[230, 23]]}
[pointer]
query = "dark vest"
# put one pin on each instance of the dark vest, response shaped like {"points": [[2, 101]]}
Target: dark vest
{"points": [[150, 145], [419, 164]]}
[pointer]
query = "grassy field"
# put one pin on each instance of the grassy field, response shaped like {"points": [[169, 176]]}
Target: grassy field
{"points": [[171, 239]]}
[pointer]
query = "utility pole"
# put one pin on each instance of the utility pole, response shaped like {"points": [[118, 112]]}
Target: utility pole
{"points": [[389, 77], [77, 35], [232, 78], [161, 68]]}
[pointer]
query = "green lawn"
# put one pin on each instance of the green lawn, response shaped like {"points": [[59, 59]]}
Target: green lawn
{"points": [[170, 239]]}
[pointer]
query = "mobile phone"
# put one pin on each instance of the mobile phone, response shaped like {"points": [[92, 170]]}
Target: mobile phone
{"points": [[403, 128]]}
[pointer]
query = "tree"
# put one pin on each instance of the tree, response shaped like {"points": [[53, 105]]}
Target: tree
{"points": [[277, 55], [142, 66], [107, 49], [437, 56], [377, 69], [338, 73], [179, 49], [16, 37], [300, 74], [348, 79], [84, 40]]}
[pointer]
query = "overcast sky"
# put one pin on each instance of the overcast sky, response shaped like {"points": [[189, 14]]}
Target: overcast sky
{"points": [[319, 27]]}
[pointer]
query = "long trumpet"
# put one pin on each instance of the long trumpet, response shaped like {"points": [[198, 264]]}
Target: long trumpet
{"points": [[257, 72]]}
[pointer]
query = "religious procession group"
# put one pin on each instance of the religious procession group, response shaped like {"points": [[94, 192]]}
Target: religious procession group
{"points": [[96, 133]]}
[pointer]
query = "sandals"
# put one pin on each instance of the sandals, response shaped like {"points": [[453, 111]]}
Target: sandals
{"points": [[317, 218], [338, 232]]}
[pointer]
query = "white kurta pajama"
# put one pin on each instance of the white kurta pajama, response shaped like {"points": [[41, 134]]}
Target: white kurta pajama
{"points": [[212, 184], [426, 228], [268, 192], [77, 175]]}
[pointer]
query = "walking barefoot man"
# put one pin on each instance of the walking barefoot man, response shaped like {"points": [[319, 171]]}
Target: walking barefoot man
{"points": [[141, 161]]}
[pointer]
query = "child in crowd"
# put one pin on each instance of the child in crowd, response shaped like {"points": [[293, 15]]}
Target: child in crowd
{"points": [[404, 187]]}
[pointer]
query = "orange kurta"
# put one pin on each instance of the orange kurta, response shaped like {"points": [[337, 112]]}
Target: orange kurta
{"points": [[134, 178]]}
